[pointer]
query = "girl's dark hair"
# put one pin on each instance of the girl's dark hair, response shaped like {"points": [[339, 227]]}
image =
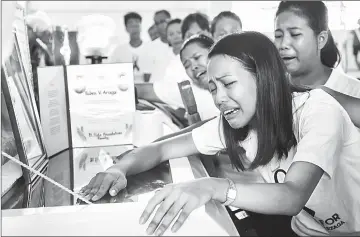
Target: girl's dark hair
{"points": [[173, 21], [197, 18], [203, 40], [221, 15], [316, 14], [273, 117]]}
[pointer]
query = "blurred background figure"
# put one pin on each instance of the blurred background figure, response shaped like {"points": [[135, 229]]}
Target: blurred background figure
{"points": [[153, 33], [135, 51], [195, 23], [161, 18], [173, 32], [40, 38], [159, 50], [225, 23], [40, 44]]}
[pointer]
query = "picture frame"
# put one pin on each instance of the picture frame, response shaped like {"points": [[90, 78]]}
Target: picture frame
{"points": [[21, 32], [23, 113]]}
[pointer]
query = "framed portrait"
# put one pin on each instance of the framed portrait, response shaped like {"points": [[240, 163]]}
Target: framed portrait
{"points": [[23, 113], [21, 33]]}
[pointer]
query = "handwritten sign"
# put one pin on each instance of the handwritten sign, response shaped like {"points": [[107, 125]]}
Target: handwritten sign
{"points": [[102, 104]]}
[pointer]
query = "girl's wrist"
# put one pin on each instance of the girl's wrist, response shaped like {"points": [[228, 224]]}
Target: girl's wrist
{"points": [[220, 189]]}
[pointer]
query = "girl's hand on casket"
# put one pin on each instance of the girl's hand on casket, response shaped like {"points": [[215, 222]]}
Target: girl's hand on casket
{"points": [[173, 199], [113, 179]]}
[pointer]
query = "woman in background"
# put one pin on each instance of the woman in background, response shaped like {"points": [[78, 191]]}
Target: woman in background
{"points": [[194, 24], [167, 91], [173, 32], [308, 49], [225, 23]]}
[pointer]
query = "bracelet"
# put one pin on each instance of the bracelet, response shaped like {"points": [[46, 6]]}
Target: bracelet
{"points": [[230, 193]]}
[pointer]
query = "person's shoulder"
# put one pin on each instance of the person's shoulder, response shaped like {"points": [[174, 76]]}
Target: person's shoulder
{"points": [[121, 53], [344, 83], [146, 44], [339, 74], [314, 101], [320, 96], [153, 43], [121, 48], [175, 61], [321, 104], [122, 45], [159, 45]]}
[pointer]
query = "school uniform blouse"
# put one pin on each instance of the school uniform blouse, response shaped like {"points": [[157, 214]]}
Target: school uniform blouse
{"points": [[326, 138], [343, 83]]}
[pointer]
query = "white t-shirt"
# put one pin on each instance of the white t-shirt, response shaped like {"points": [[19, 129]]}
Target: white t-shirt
{"points": [[168, 91], [139, 56], [328, 139], [341, 82], [161, 55]]}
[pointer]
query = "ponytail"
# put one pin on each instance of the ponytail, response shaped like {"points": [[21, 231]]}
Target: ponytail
{"points": [[330, 55]]}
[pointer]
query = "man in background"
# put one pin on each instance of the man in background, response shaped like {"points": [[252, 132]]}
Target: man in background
{"points": [[135, 51], [160, 50], [161, 18], [153, 33]]}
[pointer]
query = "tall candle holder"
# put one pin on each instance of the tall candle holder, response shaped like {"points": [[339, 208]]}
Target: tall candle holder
{"points": [[65, 50]]}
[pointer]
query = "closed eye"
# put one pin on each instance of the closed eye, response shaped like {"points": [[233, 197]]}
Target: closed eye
{"points": [[229, 84]]}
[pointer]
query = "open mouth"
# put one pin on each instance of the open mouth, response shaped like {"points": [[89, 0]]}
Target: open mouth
{"points": [[288, 58], [199, 74], [177, 42], [230, 112]]}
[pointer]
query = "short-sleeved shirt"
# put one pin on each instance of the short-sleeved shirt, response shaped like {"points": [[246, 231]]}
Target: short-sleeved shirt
{"points": [[343, 83], [138, 56], [326, 138], [161, 54]]}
